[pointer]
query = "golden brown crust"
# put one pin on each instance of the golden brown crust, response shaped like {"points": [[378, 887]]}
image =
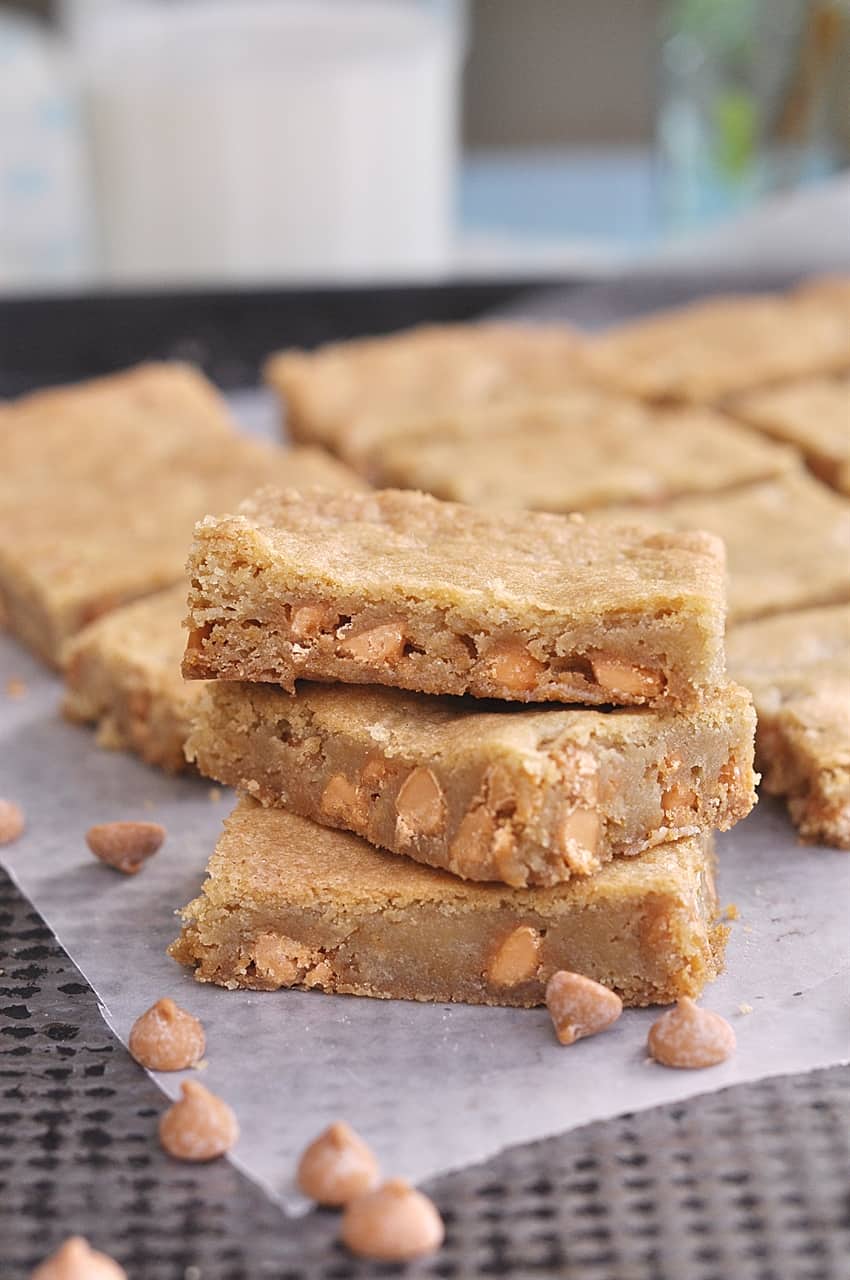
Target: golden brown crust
{"points": [[813, 415], [288, 903]]}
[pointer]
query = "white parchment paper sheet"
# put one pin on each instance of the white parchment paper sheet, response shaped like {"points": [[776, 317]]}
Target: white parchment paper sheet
{"points": [[432, 1087]]}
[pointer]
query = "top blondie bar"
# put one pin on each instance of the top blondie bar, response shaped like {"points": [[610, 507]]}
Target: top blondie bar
{"points": [[398, 588], [102, 483], [349, 395]]}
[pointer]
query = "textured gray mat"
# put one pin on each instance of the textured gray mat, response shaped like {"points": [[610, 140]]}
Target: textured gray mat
{"points": [[748, 1184]]}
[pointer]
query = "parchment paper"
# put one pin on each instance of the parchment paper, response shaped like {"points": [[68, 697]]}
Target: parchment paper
{"points": [[432, 1087]]}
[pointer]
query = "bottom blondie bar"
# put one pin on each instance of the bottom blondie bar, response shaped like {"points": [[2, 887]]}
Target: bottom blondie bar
{"points": [[288, 903], [798, 668]]}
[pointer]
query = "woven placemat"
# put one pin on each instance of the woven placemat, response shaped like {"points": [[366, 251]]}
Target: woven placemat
{"points": [[747, 1184]]}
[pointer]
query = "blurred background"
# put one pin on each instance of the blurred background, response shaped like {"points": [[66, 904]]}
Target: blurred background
{"points": [[169, 143]]}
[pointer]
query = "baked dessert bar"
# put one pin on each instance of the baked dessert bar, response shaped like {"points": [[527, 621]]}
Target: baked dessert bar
{"points": [[487, 791], [787, 542], [288, 903], [798, 667], [587, 449], [814, 415], [400, 589], [100, 488], [123, 674], [712, 349], [347, 395]]}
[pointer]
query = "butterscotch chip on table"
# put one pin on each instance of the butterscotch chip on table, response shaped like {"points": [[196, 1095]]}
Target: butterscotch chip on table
{"points": [[704, 352], [814, 415], [400, 589], [288, 903], [787, 542], [144, 455], [798, 668], [349, 395], [575, 452], [489, 792]]}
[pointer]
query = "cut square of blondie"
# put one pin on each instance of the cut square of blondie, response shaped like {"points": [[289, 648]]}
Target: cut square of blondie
{"points": [[588, 449], [349, 395], [798, 668], [399, 589], [287, 903], [487, 791], [712, 349], [101, 485], [814, 415]]}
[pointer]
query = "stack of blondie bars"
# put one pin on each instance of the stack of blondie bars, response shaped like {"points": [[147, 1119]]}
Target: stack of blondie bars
{"points": [[473, 748]]}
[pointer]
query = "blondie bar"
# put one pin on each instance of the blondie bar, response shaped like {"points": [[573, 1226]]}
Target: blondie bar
{"points": [[100, 488], [123, 674], [798, 667], [588, 449], [712, 349], [787, 541], [400, 589], [488, 792], [814, 415], [288, 903], [349, 394]]}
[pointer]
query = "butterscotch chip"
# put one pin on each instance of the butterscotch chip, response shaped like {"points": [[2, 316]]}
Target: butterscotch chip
{"points": [[199, 1126], [625, 678], [16, 688], [395, 1223], [579, 1006], [384, 643], [522, 795], [690, 1037], [514, 667], [420, 804], [12, 821], [167, 1038], [443, 598], [126, 846], [76, 1260], [517, 959], [337, 1166], [355, 920]]}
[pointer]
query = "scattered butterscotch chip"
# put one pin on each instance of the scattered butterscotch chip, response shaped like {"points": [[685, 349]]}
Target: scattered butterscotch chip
{"points": [[167, 1038], [337, 1166], [579, 1006], [395, 1223], [214, 794], [125, 845], [690, 1037], [11, 821], [16, 688], [199, 1126], [76, 1260]]}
